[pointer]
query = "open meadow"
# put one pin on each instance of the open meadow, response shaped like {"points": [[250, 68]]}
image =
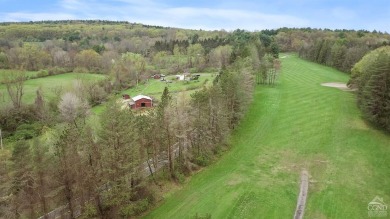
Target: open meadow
{"points": [[48, 85], [297, 124], [154, 87]]}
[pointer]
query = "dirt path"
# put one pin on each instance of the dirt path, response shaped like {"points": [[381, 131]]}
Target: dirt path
{"points": [[302, 195]]}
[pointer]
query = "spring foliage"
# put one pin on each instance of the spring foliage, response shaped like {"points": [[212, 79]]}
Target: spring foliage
{"points": [[371, 76]]}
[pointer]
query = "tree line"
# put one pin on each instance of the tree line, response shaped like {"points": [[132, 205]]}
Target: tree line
{"points": [[363, 54], [340, 49], [371, 77]]}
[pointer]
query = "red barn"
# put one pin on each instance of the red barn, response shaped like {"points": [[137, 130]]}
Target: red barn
{"points": [[157, 76], [141, 101]]}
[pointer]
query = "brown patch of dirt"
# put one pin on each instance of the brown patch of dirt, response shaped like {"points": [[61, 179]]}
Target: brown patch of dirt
{"points": [[235, 181], [358, 124]]}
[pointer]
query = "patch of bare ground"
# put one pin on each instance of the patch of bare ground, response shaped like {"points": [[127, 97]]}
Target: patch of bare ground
{"points": [[235, 180], [358, 124]]}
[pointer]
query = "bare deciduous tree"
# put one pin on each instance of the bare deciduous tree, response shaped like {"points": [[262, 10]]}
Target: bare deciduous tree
{"points": [[72, 107], [219, 57], [61, 58], [14, 82]]}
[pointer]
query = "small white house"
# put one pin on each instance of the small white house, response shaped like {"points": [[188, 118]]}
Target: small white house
{"points": [[180, 77]]}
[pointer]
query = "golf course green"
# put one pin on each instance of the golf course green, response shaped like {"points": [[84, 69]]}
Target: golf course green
{"points": [[297, 124]]}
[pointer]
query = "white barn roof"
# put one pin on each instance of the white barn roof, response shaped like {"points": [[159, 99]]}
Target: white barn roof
{"points": [[138, 97]]}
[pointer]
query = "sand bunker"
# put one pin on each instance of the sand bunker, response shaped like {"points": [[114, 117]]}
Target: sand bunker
{"points": [[339, 85]]}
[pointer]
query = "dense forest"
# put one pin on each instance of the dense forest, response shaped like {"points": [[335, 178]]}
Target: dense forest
{"points": [[55, 154]]}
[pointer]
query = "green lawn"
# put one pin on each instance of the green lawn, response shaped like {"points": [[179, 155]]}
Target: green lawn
{"points": [[48, 84], [295, 125]]}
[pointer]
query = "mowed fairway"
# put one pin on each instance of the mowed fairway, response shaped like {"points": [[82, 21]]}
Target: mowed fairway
{"points": [[296, 125]]}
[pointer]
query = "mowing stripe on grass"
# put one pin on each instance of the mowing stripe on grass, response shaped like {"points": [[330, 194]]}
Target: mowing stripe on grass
{"points": [[295, 125]]}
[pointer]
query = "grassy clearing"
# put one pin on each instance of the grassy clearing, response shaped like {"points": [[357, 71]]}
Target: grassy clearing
{"points": [[154, 88], [48, 84], [297, 124]]}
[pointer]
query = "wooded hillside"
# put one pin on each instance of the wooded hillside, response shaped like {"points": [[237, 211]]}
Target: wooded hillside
{"points": [[58, 153]]}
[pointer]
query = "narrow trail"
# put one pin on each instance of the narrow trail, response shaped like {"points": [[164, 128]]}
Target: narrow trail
{"points": [[301, 203]]}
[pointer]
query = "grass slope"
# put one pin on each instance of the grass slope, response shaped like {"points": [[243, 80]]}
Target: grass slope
{"points": [[156, 87], [297, 124], [47, 84]]}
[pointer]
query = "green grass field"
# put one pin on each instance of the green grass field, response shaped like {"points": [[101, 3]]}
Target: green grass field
{"points": [[156, 87], [295, 125], [47, 84]]}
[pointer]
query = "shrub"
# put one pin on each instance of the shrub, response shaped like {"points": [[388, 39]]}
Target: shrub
{"points": [[180, 178], [194, 70], [141, 206], [134, 208], [202, 160], [27, 131], [11, 119], [210, 70], [127, 211], [41, 74], [89, 211], [80, 70], [57, 70]]}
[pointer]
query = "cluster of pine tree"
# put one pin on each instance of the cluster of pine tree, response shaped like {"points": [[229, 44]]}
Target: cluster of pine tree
{"points": [[371, 76]]}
